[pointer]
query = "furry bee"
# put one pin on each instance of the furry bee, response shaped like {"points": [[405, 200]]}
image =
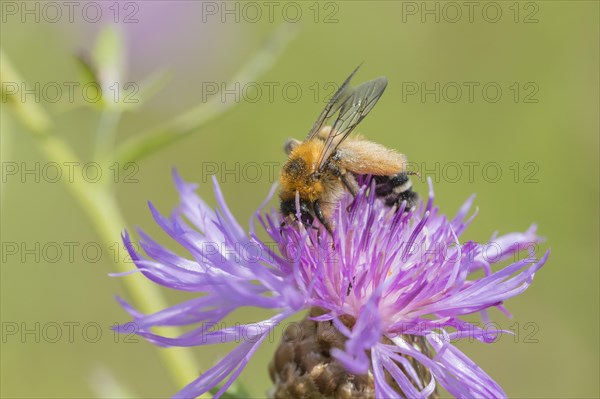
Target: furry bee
{"points": [[329, 162]]}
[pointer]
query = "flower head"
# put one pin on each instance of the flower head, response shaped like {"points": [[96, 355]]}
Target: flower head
{"points": [[388, 276]]}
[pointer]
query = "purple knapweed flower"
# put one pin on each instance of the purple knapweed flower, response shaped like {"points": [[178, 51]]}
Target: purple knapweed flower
{"points": [[394, 275]]}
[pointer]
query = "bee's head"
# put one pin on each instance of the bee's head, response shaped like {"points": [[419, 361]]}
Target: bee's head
{"points": [[297, 175]]}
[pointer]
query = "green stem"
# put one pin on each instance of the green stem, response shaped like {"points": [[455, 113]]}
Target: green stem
{"points": [[106, 134], [101, 207], [29, 112]]}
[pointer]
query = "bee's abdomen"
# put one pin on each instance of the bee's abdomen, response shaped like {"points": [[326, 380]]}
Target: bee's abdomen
{"points": [[395, 189]]}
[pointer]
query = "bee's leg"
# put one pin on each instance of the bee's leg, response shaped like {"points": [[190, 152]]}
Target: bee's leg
{"points": [[307, 224], [310, 226], [350, 182], [321, 217], [281, 226], [346, 177], [350, 285]]}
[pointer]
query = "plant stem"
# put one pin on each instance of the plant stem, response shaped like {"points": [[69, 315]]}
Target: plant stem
{"points": [[106, 134], [101, 207]]}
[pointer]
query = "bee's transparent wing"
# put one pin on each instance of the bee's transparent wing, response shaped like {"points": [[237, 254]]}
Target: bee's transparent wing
{"points": [[333, 105], [357, 103]]}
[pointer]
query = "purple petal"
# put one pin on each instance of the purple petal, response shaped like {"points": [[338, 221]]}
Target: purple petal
{"points": [[232, 364]]}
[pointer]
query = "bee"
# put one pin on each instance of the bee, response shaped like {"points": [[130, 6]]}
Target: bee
{"points": [[329, 162]]}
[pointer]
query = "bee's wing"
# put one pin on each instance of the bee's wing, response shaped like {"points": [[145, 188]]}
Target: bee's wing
{"points": [[333, 105], [358, 102]]}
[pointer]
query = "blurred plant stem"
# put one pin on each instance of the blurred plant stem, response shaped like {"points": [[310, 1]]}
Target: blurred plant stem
{"points": [[30, 113], [106, 134], [191, 121], [100, 205]]}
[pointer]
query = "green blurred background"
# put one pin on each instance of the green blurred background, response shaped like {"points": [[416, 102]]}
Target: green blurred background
{"points": [[547, 131]]}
